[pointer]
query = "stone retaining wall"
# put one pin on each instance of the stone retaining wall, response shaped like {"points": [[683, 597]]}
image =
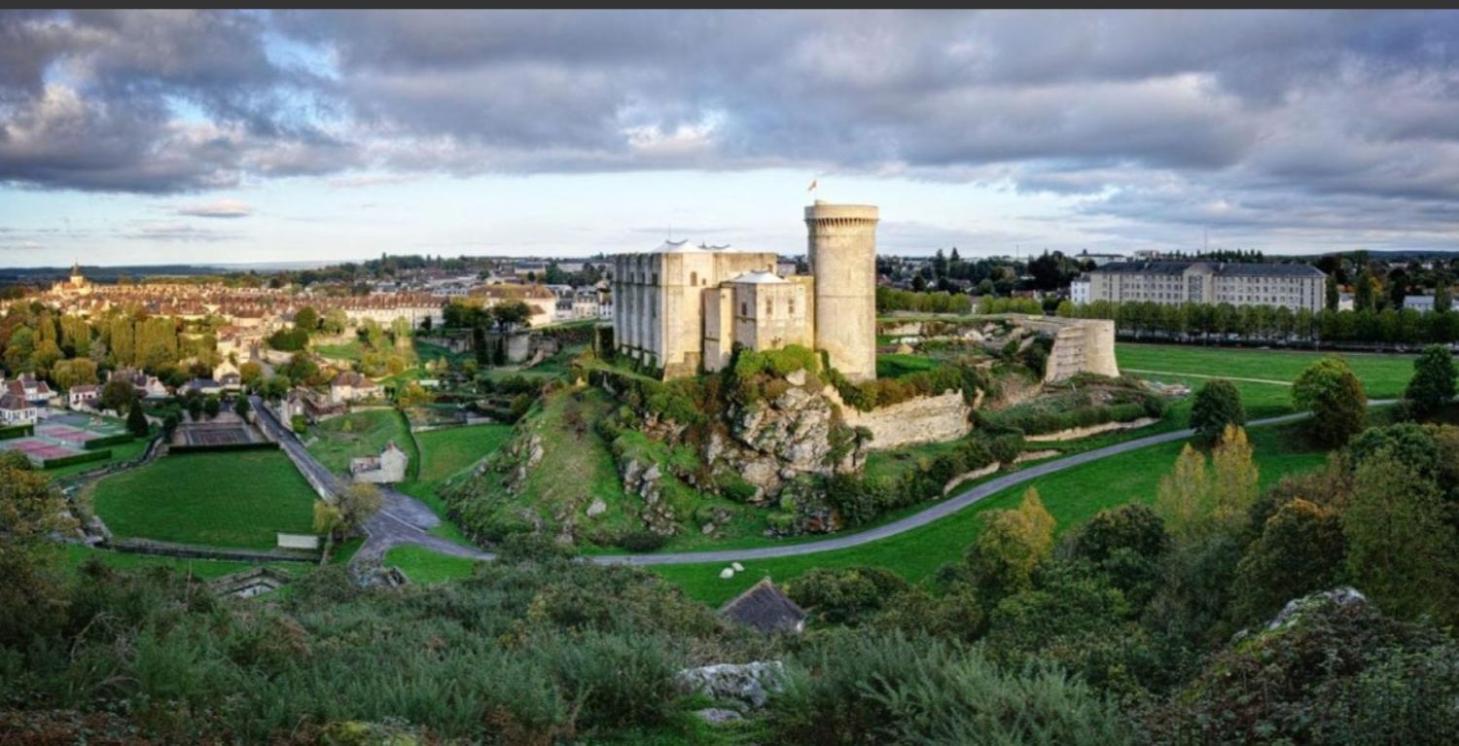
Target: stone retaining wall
{"points": [[1074, 433], [925, 419]]}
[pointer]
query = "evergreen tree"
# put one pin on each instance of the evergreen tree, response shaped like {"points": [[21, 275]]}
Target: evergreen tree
{"points": [[137, 421], [1432, 385], [1217, 405]]}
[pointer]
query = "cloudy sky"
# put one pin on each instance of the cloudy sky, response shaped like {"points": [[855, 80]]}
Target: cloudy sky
{"points": [[262, 136]]}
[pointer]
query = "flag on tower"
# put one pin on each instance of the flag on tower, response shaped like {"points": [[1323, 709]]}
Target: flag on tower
{"points": [[812, 187]]}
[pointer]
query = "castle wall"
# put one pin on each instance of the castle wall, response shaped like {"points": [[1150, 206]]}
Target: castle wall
{"points": [[841, 248], [925, 419]]}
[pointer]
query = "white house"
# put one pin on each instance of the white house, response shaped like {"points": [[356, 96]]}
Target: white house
{"points": [[15, 410], [35, 392], [389, 466], [83, 396], [349, 386], [1079, 290], [1420, 303]]}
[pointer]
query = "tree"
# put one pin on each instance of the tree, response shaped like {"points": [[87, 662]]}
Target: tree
{"points": [[137, 421], [1196, 503], [69, 373], [31, 510], [1432, 385], [1011, 546], [241, 407], [299, 424], [1443, 296], [1217, 405], [306, 319], [250, 374], [1333, 296], [211, 406], [1300, 550], [357, 503], [117, 395], [1400, 550], [1329, 390], [1366, 291], [510, 314]]}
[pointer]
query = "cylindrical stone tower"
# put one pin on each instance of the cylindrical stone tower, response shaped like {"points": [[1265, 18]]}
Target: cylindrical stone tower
{"points": [[842, 256]]}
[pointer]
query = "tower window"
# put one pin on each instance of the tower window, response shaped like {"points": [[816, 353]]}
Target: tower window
{"points": [[792, 306], [769, 307], [744, 309], [693, 278]]}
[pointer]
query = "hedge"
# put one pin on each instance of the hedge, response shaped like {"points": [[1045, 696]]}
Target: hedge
{"points": [[79, 458], [110, 440], [16, 431], [264, 446], [1034, 421]]}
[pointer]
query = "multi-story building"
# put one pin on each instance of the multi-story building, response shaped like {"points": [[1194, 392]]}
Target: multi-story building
{"points": [[1294, 286]]}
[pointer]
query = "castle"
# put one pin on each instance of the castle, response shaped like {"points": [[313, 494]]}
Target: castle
{"points": [[682, 308]]}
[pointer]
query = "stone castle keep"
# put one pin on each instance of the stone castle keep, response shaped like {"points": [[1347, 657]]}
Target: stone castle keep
{"points": [[681, 307]]}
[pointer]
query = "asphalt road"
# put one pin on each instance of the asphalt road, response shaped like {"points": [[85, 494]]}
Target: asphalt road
{"points": [[405, 520]]}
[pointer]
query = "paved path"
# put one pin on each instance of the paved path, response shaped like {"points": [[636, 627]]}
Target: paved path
{"points": [[1201, 375], [402, 519], [405, 520]]}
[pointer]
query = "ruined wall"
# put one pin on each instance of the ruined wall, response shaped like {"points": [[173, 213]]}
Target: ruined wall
{"points": [[1082, 346], [926, 419]]}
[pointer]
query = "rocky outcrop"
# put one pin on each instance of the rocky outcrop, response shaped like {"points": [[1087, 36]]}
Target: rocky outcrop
{"points": [[643, 480], [770, 442], [741, 684]]}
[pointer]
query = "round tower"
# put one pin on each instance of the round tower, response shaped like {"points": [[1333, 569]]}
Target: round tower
{"points": [[841, 251]]}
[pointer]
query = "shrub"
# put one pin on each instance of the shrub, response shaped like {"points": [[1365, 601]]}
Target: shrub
{"points": [[1217, 405], [642, 541]]}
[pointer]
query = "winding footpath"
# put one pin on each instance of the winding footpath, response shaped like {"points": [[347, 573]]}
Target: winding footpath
{"points": [[404, 520]]}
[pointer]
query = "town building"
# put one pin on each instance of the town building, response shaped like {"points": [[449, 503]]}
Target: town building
{"points": [[350, 386], [1293, 286], [1420, 303], [15, 410], [388, 467], [1079, 290], [83, 396], [682, 308]]}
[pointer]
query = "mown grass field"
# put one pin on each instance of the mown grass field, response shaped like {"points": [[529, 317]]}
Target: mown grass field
{"points": [[358, 434], [1383, 376], [350, 351], [425, 567], [444, 453], [225, 499], [1072, 496]]}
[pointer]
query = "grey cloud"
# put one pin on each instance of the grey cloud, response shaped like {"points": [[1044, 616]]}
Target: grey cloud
{"points": [[175, 232], [1326, 118]]}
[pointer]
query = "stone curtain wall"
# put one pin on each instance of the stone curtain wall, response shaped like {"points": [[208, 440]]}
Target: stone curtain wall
{"points": [[927, 419]]}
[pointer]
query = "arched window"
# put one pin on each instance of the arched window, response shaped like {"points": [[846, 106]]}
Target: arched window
{"points": [[744, 309], [693, 278], [769, 307]]}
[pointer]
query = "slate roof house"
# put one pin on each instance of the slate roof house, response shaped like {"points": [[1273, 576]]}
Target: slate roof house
{"points": [[764, 608]]}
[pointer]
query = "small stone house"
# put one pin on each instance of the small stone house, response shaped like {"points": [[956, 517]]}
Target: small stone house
{"points": [[350, 386], [765, 609], [388, 467]]}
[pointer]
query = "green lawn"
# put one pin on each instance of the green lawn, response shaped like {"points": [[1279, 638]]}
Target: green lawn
{"points": [[445, 452], [351, 351], [896, 365], [449, 450], [226, 499], [1072, 496], [360, 434], [77, 555], [120, 452], [425, 567]]}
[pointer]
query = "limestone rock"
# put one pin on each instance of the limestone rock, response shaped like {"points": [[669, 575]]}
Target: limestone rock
{"points": [[748, 684], [597, 507], [718, 715]]}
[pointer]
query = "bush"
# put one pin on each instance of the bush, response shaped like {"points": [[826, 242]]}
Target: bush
{"points": [[1217, 405], [642, 541]]}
